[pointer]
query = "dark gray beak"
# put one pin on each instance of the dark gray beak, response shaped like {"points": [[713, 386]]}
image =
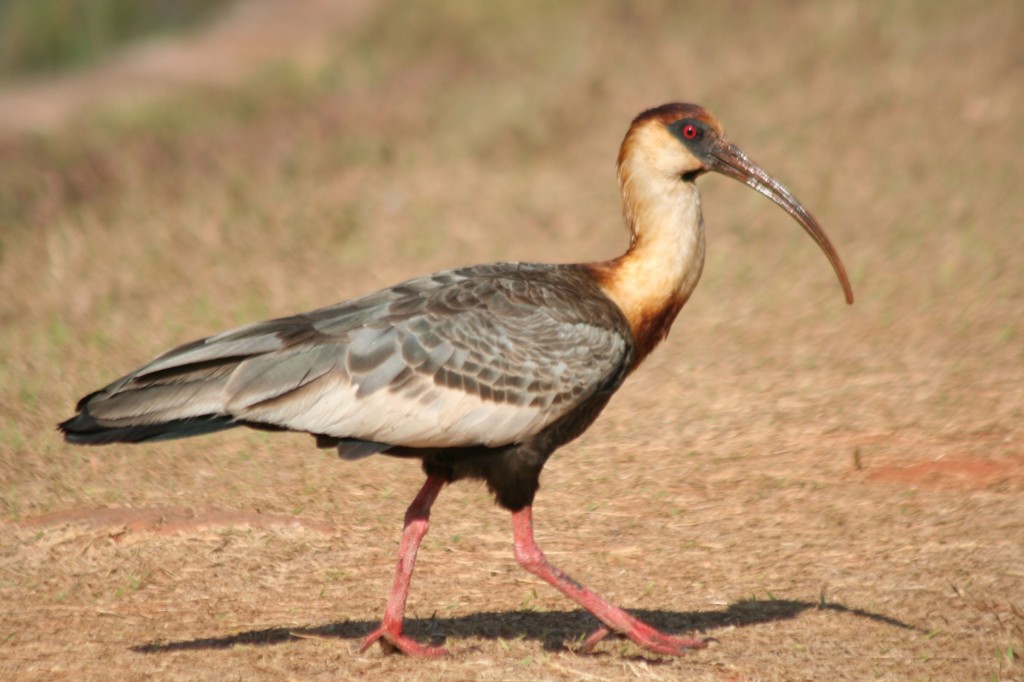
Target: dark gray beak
{"points": [[727, 159]]}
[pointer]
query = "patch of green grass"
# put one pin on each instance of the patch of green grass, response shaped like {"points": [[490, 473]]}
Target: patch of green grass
{"points": [[1007, 656], [38, 36], [11, 503], [526, 604], [133, 584]]}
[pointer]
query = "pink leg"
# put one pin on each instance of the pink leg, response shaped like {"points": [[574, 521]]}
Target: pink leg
{"points": [[417, 520], [530, 557]]}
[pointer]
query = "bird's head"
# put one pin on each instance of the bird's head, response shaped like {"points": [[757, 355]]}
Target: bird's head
{"points": [[683, 141]]}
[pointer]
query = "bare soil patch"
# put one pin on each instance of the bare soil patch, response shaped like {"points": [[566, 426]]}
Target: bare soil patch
{"points": [[955, 473]]}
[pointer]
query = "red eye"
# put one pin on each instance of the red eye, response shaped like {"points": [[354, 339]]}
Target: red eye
{"points": [[690, 131]]}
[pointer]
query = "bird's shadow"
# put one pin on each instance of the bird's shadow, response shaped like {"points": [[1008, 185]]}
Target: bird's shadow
{"points": [[557, 630]]}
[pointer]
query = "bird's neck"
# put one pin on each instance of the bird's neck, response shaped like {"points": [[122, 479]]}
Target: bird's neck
{"points": [[655, 277]]}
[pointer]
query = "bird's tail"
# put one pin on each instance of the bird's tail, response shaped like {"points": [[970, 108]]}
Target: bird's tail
{"points": [[84, 429], [174, 396], [187, 390]]}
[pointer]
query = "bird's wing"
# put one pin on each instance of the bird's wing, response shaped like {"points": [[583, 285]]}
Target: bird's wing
{"points": [[481, 356]]}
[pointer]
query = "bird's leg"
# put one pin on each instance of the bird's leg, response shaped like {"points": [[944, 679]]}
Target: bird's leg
{"points": [[417, 520], [530, 557]]}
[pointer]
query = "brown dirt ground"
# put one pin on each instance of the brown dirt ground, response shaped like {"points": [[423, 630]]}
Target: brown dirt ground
{"points": [[831, 493]]}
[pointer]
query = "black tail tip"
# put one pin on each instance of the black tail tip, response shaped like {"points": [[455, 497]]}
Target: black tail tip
{"points": [[82, 429]]}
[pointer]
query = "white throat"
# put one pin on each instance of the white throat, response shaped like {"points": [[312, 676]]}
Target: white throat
{"points": [[666, 253]]}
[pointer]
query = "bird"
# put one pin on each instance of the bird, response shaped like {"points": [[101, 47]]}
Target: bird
{"points": [[480, 372]]}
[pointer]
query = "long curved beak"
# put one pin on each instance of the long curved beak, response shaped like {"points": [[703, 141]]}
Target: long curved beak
{"points": [[727, 159]]}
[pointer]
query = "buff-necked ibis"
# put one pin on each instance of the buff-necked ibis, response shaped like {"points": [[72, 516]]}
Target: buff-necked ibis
{"points": [[481, 372]]}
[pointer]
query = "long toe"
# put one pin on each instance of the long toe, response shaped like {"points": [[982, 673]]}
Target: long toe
{"points": [[596, 636], [392, 640], [661, 643], [648, 638]]}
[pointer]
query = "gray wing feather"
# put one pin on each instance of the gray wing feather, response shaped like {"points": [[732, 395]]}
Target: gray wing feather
{"points": [[485, 355]]}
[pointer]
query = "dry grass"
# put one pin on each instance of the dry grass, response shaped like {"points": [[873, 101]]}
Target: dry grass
{"points": [[830, 492]]}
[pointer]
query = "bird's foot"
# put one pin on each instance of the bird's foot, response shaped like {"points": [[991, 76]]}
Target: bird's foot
{"points": [[649, 638], [391, 639]]}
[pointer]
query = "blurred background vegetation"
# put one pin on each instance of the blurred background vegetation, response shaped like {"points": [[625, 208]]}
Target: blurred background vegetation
{"points": [[47, 36]]}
